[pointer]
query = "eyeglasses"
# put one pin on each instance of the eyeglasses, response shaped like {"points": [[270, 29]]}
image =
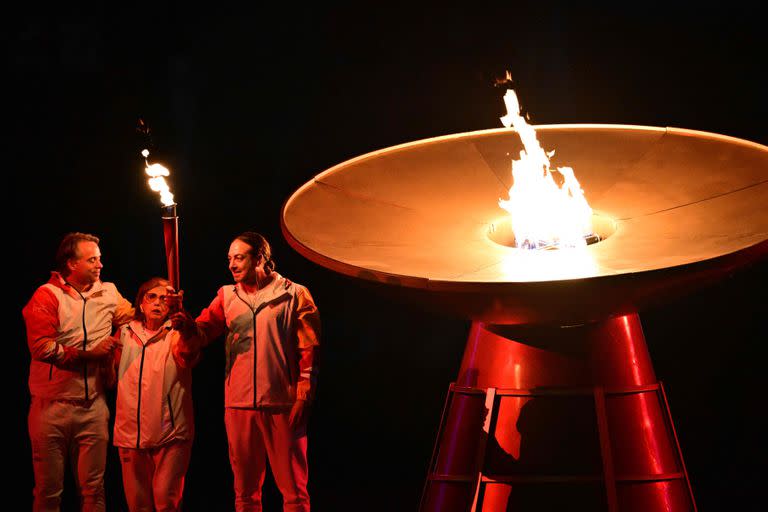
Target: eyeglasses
{"points": [[152, 297]]}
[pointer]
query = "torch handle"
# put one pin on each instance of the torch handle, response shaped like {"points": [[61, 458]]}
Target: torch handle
{"points": [[171, 236]]}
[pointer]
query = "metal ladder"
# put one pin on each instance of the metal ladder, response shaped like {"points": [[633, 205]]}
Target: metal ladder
{"points": [[478, 480]]}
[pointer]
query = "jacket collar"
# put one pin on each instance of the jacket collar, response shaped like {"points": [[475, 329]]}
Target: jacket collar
{"points": [[58, 281], [276, 289], [138, 330]]}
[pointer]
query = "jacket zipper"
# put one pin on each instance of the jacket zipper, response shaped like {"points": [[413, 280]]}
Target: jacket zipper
{"points": [[254, 356], [170, 409], [85, 343], [138, 401], [255, 352]]}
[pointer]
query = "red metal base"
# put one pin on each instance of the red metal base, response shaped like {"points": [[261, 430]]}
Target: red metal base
{"points": [[562, 418]]}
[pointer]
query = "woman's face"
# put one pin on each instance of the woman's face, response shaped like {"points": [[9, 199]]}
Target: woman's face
{"points": [[153, 304]]}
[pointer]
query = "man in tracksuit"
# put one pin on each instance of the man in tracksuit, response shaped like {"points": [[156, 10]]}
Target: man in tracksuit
{"points": [[272, 331], [70, 322]]}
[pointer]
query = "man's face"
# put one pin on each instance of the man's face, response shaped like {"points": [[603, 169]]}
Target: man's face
{"points": [[85, 267], [242, 265]]}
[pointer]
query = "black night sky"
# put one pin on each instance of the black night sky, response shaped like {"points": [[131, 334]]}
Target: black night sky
{"points": [[246, 105]]}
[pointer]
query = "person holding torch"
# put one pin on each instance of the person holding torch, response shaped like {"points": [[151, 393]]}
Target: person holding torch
{"points": [[154, 425], [272, 330]]}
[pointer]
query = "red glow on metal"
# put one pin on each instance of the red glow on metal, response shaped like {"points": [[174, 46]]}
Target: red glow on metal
{"points": [[646, 421], [584, 411], [171, 239], [633, 355]]}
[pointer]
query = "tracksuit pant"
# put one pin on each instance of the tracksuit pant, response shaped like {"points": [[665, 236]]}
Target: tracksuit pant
{"points": [[74, 431], [153, 478], [256, 435]]}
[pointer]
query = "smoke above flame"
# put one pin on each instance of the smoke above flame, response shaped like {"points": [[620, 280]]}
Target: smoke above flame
{"points": [[156, 181], [543, 213]]}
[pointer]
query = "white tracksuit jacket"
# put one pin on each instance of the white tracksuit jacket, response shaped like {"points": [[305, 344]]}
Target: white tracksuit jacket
{"points": [[154, 389], [60, 320], [271, 343]]}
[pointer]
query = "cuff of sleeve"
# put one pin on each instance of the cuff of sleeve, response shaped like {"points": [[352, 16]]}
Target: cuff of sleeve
{"points": [[184, 354], [71, 354], [304, 391]]}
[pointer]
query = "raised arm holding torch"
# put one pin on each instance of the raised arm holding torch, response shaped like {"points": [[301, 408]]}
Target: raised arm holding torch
{"points": [[157, 174]]}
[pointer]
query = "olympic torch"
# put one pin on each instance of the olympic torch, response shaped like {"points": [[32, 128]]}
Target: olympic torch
{"points": [[157, 174]]}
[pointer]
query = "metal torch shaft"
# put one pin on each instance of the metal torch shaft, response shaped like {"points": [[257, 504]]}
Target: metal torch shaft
{"points": [[171, 236]]}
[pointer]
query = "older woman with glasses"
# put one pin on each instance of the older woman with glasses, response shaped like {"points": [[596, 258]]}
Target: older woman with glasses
{"points": [[154, 420]]}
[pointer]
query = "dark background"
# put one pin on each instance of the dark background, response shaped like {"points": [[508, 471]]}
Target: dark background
{"points": [[246, 106]]}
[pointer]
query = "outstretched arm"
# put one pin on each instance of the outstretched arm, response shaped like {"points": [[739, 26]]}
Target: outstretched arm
{"points": [[196, 333]]}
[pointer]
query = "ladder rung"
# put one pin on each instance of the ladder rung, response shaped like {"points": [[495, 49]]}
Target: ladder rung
{"points": [[532, 479], [586, 391], [535, 479], [437, 477]]}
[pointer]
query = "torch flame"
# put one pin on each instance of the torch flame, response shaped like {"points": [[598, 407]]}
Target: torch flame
{"points": [[156, 181], [543, 213]]}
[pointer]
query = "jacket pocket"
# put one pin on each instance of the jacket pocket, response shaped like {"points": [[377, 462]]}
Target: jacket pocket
{"points": [[170, 409]]}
